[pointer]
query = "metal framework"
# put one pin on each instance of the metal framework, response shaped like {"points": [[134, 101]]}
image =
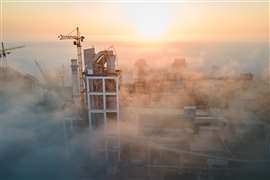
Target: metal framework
{"points": [[103, 109], [78, 42]]}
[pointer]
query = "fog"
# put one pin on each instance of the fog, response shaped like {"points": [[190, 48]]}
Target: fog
{"points": [[246, 56], [35, 142]]}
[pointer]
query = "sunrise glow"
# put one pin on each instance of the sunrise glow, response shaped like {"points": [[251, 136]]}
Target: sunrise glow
{"points": [[151, 22]]}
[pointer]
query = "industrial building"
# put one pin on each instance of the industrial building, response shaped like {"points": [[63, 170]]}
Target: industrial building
{"points": [[190, 141]]}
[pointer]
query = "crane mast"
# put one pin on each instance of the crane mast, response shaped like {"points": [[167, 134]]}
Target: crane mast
{"points": [[78, 40], [46, 78]]}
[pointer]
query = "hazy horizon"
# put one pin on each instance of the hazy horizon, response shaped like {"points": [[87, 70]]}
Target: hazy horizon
{"points": [[202, 56]]}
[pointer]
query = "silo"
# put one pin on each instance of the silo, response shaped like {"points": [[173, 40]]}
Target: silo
{"points": [[89, 58], [75, 80]]}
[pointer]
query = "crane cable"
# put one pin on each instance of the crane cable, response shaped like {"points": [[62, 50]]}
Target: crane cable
{"points": [[71, 31]]}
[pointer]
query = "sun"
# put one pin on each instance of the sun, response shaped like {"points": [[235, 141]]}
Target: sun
{"points": [[151, 22]]}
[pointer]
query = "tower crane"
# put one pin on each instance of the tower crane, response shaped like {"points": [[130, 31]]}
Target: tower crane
{"points": [[6, 51], [44, 75], [78, 39]]}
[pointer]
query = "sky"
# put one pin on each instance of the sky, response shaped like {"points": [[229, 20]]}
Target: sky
{"points": [[136, 20]]}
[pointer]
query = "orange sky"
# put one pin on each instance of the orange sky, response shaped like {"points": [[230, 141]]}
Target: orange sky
{"points": [[137, 21]]}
